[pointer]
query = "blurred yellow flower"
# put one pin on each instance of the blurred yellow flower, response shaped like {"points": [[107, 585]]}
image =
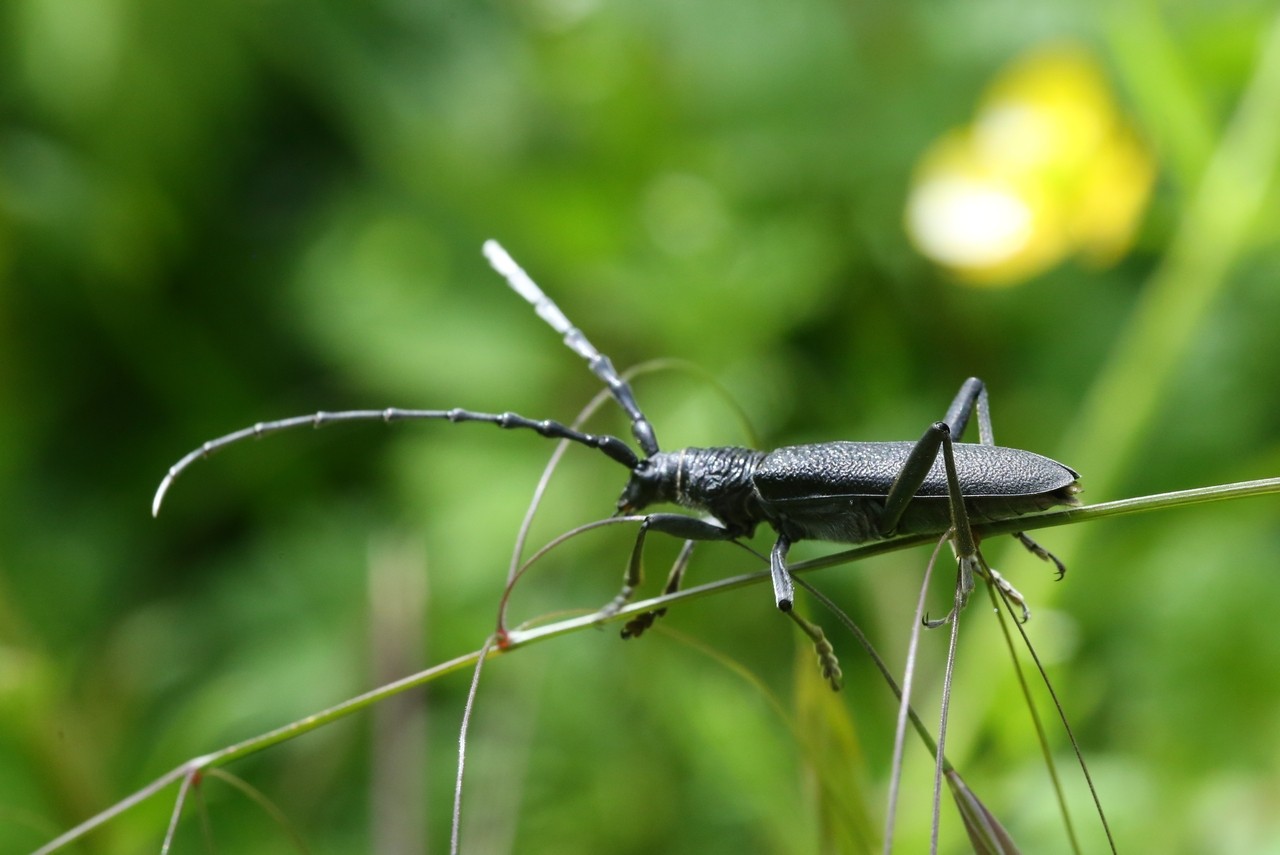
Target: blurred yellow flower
{"points": [[1047, 168]]}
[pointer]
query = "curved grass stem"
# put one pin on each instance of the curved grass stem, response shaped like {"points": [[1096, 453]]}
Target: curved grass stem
{"points": [[518, 638]]}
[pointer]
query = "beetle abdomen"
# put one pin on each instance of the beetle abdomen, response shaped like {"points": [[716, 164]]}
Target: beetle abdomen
{"points": [[868, 469], [835, 491]]}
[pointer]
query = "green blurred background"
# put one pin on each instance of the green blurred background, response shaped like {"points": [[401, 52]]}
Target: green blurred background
{"points": [[214, 214]]}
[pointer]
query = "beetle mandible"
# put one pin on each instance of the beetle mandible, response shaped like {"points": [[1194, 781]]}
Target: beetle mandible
{"points": [[841, 492]]}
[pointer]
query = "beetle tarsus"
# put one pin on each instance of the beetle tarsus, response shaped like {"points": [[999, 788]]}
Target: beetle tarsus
{"points": [[827, 659], [1042, 553], [636, 627], [1011, 593]]}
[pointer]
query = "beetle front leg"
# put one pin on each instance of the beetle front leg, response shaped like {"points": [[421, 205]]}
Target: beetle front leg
{"points": [[676, 525], [635, 627], [692, 529]]}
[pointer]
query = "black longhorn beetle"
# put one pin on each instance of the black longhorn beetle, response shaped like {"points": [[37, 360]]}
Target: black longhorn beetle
{"points": [[842, 492]]}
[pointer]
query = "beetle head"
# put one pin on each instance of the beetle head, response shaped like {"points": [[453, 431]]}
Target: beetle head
{"points": [[652, 480]]}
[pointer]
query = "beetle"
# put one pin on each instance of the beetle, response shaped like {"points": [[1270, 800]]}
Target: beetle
{"points": [[841, 492]]}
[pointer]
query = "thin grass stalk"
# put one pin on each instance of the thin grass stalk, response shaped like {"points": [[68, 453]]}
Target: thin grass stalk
{"points": [[522, 637], [904, 701], [1066, 726], [1042, 738]]}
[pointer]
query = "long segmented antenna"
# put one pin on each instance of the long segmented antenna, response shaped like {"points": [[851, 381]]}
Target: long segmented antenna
{"points": [[577, 342], [610, 445], [520, 282]]}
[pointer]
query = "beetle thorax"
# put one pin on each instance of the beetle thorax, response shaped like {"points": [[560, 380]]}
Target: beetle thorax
{"points": [[715, 480]]}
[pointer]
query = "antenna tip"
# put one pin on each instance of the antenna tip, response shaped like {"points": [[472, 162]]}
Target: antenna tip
{"points": [[159, 497], [498, 257]]}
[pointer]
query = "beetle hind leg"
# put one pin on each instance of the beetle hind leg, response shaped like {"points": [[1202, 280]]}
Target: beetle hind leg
{"points": [[1042, 553], [676, 525], [968, 567], [981, 568]]}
